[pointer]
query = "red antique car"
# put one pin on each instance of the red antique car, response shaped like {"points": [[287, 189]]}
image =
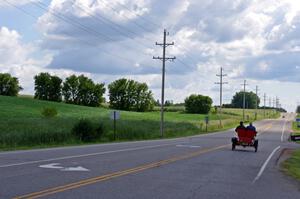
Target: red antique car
{"points": [[245, 138]]}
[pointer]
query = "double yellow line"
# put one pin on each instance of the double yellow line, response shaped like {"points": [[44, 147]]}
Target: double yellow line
{"points": [[115, 175], [89, 181]]}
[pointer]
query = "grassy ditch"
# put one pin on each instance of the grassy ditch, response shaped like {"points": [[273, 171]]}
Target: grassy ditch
{"points": [[292, 165], [22, 124]]}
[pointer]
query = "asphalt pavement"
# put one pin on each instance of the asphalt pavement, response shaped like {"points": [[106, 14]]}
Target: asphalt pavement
{"points": [[201, 166]]}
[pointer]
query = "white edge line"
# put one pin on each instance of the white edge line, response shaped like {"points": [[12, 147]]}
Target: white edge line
{"points": [[262, 169], [283, 130], [83, 155]]}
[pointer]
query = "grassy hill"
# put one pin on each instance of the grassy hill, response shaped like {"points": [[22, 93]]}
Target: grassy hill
{"points": [[23, 126]]}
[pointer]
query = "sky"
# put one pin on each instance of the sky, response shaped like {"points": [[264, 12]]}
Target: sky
{"points": [[253, 40]]}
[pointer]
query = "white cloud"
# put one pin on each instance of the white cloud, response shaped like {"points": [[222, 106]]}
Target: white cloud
{"points": [[252, 39]]}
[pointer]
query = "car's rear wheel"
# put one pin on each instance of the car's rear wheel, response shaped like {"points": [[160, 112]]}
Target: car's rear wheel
{"points": [[234, 141], [256, 145]]}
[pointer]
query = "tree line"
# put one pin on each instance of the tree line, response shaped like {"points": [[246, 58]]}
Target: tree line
{"points": [[124, 94]]}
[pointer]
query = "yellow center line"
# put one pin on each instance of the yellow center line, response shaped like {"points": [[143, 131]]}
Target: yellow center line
{"points": [[115, 175], [102, 178], [266, 129]]}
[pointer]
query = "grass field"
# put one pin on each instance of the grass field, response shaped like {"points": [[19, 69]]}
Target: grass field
{"points": [[296, 129], [23, 126], [292, 165]]}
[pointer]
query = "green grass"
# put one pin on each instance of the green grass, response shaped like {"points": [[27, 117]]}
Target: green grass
{"points": [[23, 126], [292, 165], [296, 129]]}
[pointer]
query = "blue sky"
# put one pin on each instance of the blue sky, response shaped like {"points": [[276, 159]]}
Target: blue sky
{"points": [[257, 40]]}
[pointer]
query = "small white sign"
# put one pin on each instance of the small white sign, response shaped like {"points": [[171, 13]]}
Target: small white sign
{"points": [[115, 115]]}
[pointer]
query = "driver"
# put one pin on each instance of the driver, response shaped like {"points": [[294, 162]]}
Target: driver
{"points": [[241, 126]]}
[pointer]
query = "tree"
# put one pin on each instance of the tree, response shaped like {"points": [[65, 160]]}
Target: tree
{"points": [[250, 100], [9, 85], [83, 91], [169, 103], [298, 109], [70, 90], [198, 104], [128, 95], [48, 87]]}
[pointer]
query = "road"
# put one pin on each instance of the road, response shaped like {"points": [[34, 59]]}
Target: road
{"points": [[195, 167]]}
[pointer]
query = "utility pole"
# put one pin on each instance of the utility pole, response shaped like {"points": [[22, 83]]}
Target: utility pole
{"points": [[277, 102], [221, 83], [163, 59], [270, 106], [265, 97], [256, 102], [244, 99]]}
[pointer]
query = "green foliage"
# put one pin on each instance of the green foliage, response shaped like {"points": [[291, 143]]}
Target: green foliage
{"points": [[9, 85], [86, 131], [49, 112], [128, 95], [250, 99], [47, 87], [298, 109], [83, 91], [292, 166], [168, 103], [198, 104], [23, 126]]}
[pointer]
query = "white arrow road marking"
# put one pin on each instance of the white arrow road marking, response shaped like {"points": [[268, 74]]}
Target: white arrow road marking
{"points": [[55, 166], [79, 168], [51, 166]]}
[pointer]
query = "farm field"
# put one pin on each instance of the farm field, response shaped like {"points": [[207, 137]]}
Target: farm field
{"points": [[22, 126]]}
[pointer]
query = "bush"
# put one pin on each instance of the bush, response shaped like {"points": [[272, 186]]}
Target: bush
{"points": [[86, 131], [49, 112], [198, 104]]}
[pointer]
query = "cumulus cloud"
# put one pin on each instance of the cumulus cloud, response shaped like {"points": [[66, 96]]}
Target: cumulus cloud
{"points": [[17, 58], [251, 39], [98, 34]]}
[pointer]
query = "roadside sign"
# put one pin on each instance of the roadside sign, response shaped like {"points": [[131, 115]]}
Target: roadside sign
{"points": [[298, 120], [115, 115], [206, 122], [206, 119]]}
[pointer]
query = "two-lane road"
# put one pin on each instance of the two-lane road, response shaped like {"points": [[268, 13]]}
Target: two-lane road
{"points": [[194, 167]]}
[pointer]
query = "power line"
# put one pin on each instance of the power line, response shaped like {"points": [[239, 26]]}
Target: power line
{"points": [[144, 18], [141, 16], [79, 27], [100, 36], [244, 98], [256, 101], [116, 11], [265, 98], [164, 59], [221, 83], [149, 21], [76, 23]]}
